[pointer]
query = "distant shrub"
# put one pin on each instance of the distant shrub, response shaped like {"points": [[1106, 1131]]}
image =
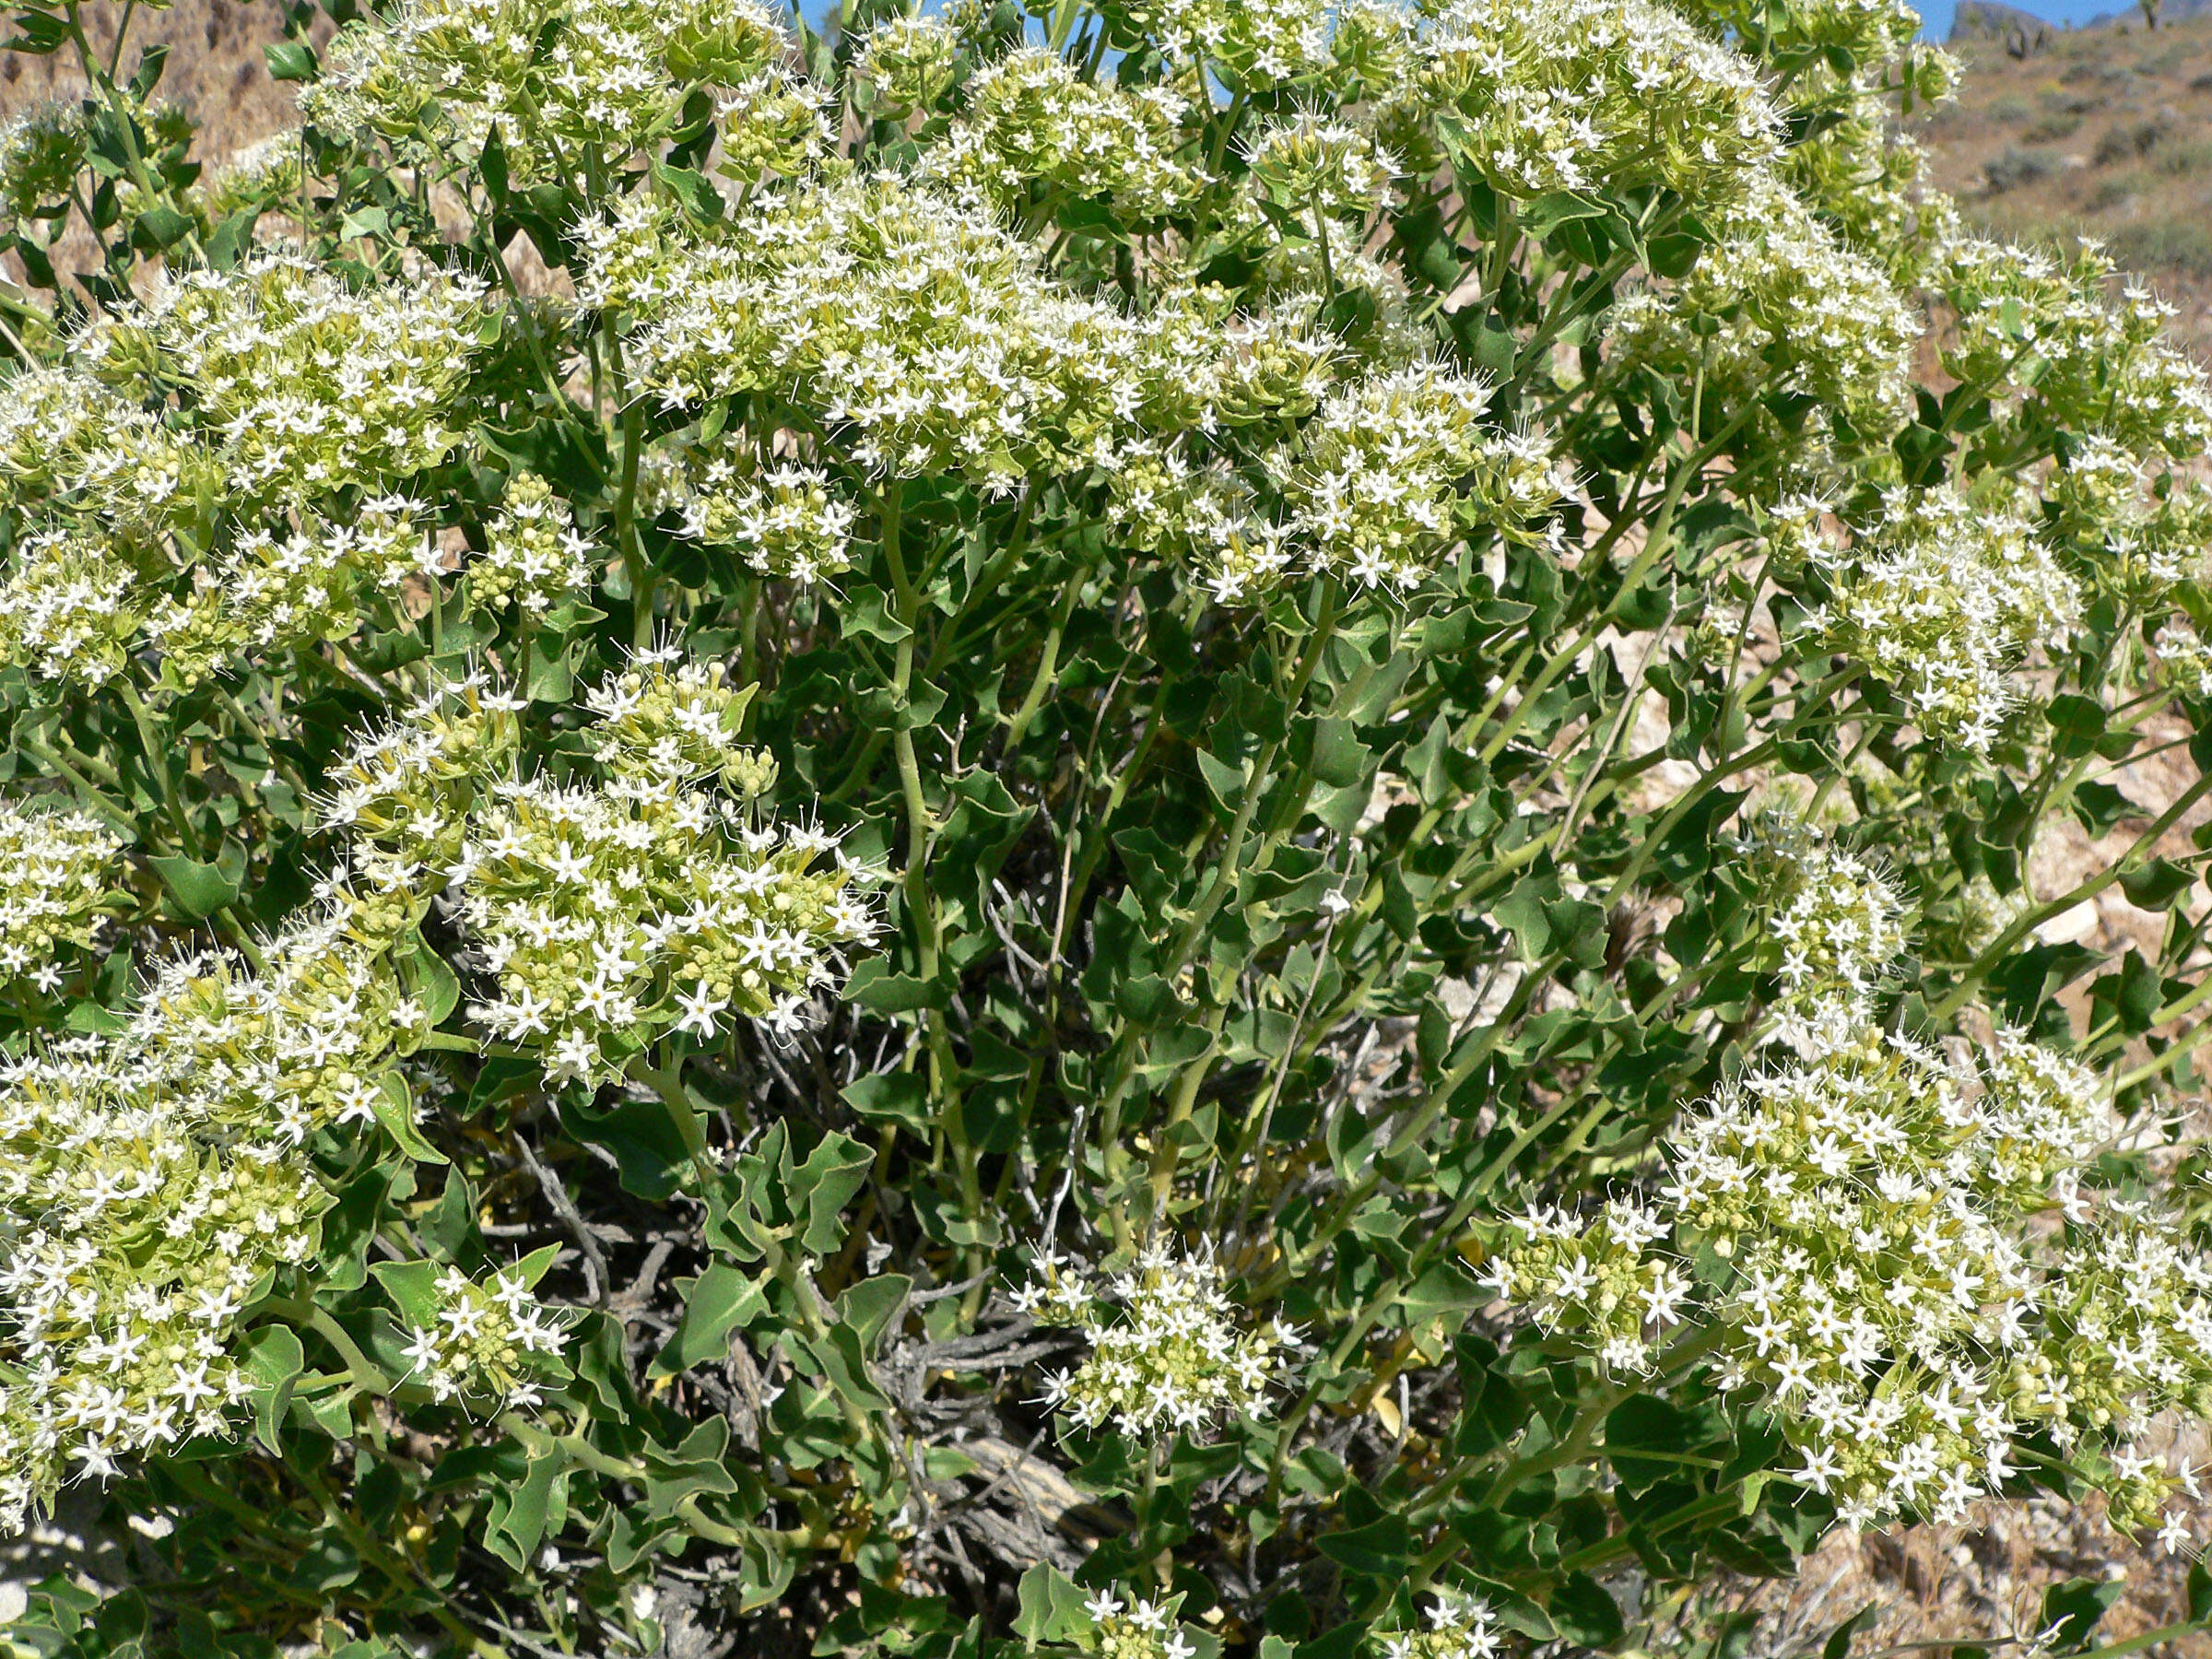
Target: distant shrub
{"points": [[2011, 169]]}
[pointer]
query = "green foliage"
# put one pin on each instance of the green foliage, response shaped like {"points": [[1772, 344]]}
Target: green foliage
{"points": [[1154, 829]]}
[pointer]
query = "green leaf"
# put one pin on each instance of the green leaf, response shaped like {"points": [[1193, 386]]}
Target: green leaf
{"points": [[1384, 1548], [1336, 755], [719, 1301], [873, 986], [291, 61], [197, 889], [413, 1287], [2072, 1610], [435, 982], [2156, 885], [396, 1111], [1050, 1606], [1837, 1645], [900, 1097], [273, 1360], [524, 1524], [824, 1184]]}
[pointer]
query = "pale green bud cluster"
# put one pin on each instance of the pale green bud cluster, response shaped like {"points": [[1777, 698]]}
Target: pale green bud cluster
{"points": [[56, 873], [264, 176], [487, 1344], [2045, 337], [2183, 659], [2136, 529], [534, 557], [1944, 599], [1460, 1627], [1311, 163], [1168, 1353], [908, 63], [1391, 471], [155, 1182], [1032, 122], [928, 336], [1777, 304], [772, 124], [610, 74], [607, 914]]}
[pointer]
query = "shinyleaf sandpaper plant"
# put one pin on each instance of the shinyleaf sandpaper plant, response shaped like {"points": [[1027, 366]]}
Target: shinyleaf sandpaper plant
{"points": [[1152, 827]]}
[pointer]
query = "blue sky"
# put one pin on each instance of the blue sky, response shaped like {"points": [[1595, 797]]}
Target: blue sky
{"points": [[1935, 14]]}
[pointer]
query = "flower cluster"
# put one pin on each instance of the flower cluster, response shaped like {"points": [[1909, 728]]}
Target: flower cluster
{"points": [[1460, 1627], [1392, 469], [1317, 165], [2136, 529], [1598, 95], [789, 520], [1778, 305], [1885, 1287], [2044, 336], [1030, 121], [608, 915], [1166, 1349], [302, 384], [669, 722], [1134, 1628], [1836, 921], [55, 870], [1943, 600], [606, 73], [907, 63], [929, 334], [486, 1345], [267, 592], [534, 557], [154, 1180]]}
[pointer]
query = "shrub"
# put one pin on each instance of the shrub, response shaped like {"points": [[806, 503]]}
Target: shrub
{"points": [[1157, 828]]}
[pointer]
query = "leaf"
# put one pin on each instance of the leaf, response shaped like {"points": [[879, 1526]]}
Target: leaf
{"points": [[395, 1111], [1837, 1645], [900, 1097], [1382, 1550], [824, 1184], [435, 983], [719, 1301], [274, 1358], [2157, 885], [1335, 754], [647, 1149], [413, 1287], [524, 1524], [201, 890], [290, 61], [1050, 1606], [2072, 1610], [873, 986]]}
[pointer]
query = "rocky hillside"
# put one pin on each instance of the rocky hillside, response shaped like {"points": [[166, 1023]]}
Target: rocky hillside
{"points": [[2104, 132]]}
